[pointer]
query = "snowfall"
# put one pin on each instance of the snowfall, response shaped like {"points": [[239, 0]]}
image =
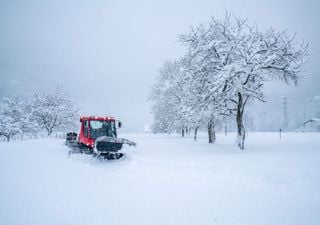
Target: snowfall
{"points": [[165, 180]]}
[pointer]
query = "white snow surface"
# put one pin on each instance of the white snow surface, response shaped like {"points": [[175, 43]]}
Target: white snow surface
{"points": [[166, 180]]}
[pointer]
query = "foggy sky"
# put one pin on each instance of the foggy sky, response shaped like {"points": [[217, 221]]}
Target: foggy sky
{"points": [[106, 54]]}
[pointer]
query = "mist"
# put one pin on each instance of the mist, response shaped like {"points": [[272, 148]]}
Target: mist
{"points": [[106, 54]]}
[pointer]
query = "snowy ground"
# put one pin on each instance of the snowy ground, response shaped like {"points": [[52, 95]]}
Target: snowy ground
{"points": [[165, 180]]}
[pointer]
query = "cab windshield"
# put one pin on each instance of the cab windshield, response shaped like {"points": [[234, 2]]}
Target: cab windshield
{"points": [[100, 128]]}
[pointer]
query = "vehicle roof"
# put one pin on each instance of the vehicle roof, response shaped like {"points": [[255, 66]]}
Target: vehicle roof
{"points": [[108, 118]]}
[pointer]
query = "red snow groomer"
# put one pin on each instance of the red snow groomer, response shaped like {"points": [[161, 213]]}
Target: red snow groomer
{"points": [[98, 136]]}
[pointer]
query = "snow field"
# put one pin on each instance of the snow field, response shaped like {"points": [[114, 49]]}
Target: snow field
{"points": [[165, 180]]}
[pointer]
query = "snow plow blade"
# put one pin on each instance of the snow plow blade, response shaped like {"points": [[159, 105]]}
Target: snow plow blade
{"points": [[116, 140], [108, 147]]}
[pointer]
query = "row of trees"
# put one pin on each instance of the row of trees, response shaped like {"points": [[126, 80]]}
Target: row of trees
{"points": [[225, 67], [41, 111]]}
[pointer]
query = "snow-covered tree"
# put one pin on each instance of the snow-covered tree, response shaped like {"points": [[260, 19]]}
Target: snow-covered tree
{"points": [[14, 117], [53, 110], [235, 59], [205, 97], [167, 95]]}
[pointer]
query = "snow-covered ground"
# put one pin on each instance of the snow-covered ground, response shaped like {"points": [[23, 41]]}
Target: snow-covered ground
{"points": [[166, 180]]}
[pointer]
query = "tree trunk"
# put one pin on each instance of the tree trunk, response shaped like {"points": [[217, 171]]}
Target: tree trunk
{"points": [[211, 132], [241, 135], [182, 132], [49, 131], [195, 133], [8, 138]]}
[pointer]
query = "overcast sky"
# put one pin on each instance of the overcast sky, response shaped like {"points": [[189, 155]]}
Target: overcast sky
{"points": [[106, 54]]}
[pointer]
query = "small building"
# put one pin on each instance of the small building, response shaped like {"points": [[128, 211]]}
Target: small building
{"points": [[312, 124]]}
